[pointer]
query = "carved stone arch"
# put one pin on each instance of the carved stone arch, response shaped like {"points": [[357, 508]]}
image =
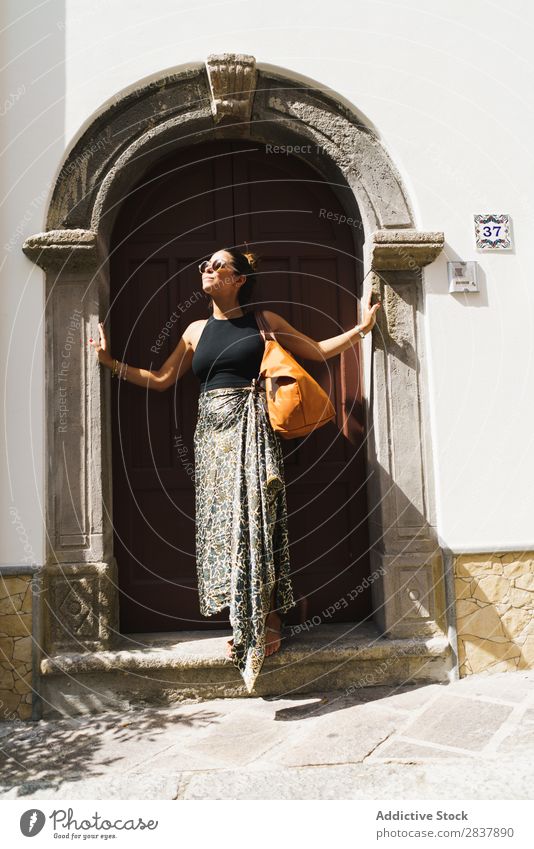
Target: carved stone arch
{"points": [[230, 96]]}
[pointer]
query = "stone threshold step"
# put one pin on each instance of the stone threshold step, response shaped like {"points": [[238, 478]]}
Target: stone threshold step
{"points": [[190, 649], [164, 668]]}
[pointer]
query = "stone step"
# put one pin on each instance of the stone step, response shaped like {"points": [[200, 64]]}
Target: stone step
{"points": [[164, 668]]}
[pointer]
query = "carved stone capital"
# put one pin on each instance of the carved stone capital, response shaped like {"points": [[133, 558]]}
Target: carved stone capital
{"points": [[75, 250], [232, 78], [404, 250]]}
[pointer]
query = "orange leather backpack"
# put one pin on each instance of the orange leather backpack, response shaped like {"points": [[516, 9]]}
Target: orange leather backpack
{"points": [[297, 404]]}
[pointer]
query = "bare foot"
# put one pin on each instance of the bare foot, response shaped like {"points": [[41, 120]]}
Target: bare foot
{"points": [[273, 626]]}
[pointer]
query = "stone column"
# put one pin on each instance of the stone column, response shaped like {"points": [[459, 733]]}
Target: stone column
{"points": [[80, 606], [410, 598]]}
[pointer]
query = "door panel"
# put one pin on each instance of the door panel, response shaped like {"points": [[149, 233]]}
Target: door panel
{"points": [[192, 204]]}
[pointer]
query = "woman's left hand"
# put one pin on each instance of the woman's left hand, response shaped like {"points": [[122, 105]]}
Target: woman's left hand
{"points": [[369, 313]]}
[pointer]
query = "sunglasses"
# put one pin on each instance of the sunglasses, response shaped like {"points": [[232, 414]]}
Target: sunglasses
{"points": [[216, 265]]}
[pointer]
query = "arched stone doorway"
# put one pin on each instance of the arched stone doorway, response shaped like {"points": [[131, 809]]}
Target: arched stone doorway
{"points": [[230, 97]]}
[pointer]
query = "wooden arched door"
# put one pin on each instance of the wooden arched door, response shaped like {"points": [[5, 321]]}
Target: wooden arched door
{"points": [[194, 203]]}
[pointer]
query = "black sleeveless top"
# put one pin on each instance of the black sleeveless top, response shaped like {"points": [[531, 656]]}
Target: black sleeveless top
{"points": [[229, 352]]}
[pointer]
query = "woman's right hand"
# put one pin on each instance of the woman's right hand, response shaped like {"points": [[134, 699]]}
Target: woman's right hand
{"points": [[102, 347]]}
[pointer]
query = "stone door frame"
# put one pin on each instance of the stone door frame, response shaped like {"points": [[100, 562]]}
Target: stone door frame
{"points": [[229, 96]]}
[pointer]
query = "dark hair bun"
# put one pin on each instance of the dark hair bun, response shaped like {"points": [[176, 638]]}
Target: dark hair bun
{"points": [[252, 260]]}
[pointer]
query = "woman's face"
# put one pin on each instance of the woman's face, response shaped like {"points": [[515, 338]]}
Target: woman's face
{"points": [[224, 278]]}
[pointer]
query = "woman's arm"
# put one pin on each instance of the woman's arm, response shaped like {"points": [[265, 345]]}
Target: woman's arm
{"points": [[304, 346], [178, 363], [161, 379]]}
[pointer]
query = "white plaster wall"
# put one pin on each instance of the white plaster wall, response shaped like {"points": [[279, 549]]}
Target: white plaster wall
{"points": [[32, 141], [448, 86]]}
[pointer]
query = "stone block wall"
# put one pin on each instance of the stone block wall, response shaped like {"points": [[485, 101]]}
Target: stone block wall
{"points": [[15, 647], [494, 611]]}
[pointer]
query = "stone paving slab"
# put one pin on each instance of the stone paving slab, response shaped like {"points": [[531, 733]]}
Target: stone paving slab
{"points": [[412, 752], [503, 779], [456, 721], [511, 779], [522, 739], [239, 742], [344, 736], [511, 688], [149, 785], [379, 742]]}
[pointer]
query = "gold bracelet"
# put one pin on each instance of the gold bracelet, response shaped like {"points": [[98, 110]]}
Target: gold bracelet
{"points": [[119, 370]]}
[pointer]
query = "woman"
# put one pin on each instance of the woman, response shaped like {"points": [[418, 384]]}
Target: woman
{"points": [[242, 547]]}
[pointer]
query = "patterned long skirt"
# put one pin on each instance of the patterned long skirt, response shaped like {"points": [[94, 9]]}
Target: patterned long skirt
{"points": [[242, 548]]}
